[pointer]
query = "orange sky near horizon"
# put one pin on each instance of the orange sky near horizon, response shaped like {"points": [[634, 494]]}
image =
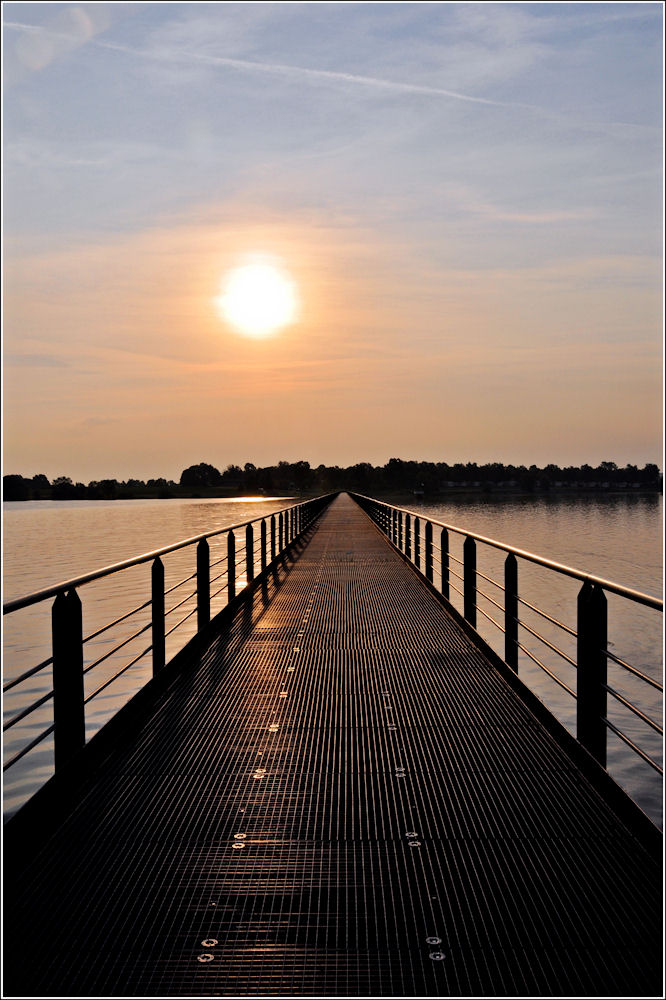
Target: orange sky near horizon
{"points": [[389, 357]]}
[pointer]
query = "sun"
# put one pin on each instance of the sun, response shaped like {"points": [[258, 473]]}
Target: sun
{"points": [[258, 299]]}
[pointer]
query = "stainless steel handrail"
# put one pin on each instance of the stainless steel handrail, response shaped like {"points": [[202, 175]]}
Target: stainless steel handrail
{"points": [[40, 595], [284, 526], [615, 588], [420, 546]]}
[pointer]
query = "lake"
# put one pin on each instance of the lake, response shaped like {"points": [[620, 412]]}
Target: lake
{"points": [[617, 537]]}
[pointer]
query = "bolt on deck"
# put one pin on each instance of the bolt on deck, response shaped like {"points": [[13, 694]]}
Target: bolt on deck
{"points": [[341, 796]]}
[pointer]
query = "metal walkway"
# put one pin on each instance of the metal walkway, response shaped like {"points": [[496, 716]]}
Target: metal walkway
{"points": [[343, 797]]}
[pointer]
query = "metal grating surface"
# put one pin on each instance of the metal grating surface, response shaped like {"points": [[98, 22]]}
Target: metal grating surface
{"points": [[343, 798]]}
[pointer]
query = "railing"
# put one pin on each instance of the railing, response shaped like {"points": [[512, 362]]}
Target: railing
{"points": [[591, 653], [266, 537]]}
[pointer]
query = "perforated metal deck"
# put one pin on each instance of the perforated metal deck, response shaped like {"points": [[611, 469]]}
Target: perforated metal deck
{"points": [[342, 798]]}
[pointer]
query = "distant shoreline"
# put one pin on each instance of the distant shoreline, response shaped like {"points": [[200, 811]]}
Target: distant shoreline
{"points": [[405, 497]]}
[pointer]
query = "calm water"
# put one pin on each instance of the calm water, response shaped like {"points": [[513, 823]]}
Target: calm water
{"points": [[617, 537]]}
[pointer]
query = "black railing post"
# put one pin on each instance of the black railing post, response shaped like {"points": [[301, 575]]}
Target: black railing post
{"points": [[417, 542], [231, 566], [249, 553], [428, 551], [469, 574], [444, 546], [157, 595], [263, 544], [511, 611], [394, 529], [203, 584], [272, 537], [68, 708], [400, 530], [591, 693], [280, 531], [408, 536]]}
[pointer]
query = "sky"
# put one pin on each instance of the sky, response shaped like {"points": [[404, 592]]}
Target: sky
{"points": [[466, 197]]}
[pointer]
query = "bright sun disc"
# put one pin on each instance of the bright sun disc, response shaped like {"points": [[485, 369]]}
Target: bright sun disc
{"points": [[258, 299]]}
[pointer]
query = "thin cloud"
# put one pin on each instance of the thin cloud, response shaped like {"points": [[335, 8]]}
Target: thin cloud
{"points": [[282, 69], [289, 71]]}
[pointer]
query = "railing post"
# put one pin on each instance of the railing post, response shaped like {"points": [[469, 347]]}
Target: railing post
{"points": [[68, 708], [249, 553], [591, 693], [511, 611], [157, 598], [231, 566], [444, 546], [408, 536], [400, 530], [469, 574], [272, 537], [428, 551], [203, 584], [280, 532], [394, 526], [263, 544], [417, 542]]}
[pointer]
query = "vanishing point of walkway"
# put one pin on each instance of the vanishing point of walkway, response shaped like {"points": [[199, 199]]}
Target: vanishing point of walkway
{"points": [[343, 797]]}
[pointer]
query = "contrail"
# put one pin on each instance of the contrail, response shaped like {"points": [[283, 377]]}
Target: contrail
{"points": [[334, 76], [279, 69]]}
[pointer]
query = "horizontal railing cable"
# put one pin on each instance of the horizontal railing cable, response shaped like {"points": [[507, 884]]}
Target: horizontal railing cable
{"points": [[180, 604], [26, 674], [27, 711], [547, 670], [120, 645], [179, 584], [633, 670], [487, 597], [489, 579], [178, 624], [630, 743], [546, 642], [634, 708], [491, 619], [117, 621], [115, 677], [554, 621], [28, 747]]}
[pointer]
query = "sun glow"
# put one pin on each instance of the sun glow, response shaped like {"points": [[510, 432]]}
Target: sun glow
{"points": [[258, 299]]}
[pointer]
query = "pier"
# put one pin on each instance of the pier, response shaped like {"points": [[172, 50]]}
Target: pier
{"points": [[335, 789]]}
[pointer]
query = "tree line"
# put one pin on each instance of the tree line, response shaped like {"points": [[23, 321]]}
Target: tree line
{"points": [[396, 476]]}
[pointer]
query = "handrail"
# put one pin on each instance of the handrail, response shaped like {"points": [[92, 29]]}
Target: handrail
{"points": [[40, 595], [411, 533], [279, 529], [616, 588]]}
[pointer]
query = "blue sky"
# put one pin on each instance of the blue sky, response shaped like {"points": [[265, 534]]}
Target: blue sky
{"points": [[469, 195]]}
